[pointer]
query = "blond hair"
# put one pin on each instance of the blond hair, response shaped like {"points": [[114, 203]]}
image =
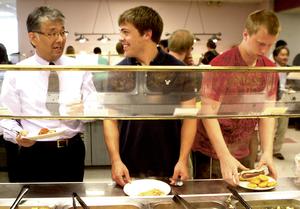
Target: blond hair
{"points": [[181, 41], [265, 18]]}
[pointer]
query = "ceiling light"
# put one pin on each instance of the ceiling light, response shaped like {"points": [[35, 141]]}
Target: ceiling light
{"points": [[82, 39], [196, 39], [215, 38], [103, 39]]}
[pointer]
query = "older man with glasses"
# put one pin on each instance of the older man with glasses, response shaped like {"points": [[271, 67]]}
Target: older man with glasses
{"points": [[60, 158]]}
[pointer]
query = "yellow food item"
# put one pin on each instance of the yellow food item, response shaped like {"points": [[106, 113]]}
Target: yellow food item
{"points": [[23, 132], [263, 177], [252, 186], [271, 183], [261, 181], [255, 180], [152, 192], [263, 184], [51, 131]]}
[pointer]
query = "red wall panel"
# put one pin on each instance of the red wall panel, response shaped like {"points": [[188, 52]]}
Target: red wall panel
{"points": [[281, 5]]}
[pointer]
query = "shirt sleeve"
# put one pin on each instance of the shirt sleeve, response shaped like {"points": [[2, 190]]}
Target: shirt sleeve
{"points": [[10, 100], [214, 85], [89, 94]]}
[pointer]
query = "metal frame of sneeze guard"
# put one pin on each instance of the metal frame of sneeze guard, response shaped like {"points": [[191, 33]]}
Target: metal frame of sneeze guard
{"points": [[146, 92]]}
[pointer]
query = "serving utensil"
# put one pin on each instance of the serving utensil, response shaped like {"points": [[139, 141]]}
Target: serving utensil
{"points": [[239, 197], [81, 202], [179, 200], [21, 194]]}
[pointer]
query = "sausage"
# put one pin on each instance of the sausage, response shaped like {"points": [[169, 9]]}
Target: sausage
{"points": [[251, 173]]}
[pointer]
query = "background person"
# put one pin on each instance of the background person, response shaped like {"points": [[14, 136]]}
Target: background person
{"points": [[10, 148], [210, 54], [70, 51], [3, 55], [164, 45], [180, 45], [281, 57], [25, 93], [142, 148], [221, 146], [101, 60]]}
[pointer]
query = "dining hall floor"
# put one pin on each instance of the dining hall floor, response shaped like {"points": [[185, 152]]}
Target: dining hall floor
{"points": [[285, 168]]}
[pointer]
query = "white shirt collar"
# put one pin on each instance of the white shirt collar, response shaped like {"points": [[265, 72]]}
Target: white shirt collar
{"points": [[42, 61]]}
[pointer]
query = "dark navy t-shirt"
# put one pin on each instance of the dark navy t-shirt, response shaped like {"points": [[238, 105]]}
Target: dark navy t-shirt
{"points": [[151, 147]]}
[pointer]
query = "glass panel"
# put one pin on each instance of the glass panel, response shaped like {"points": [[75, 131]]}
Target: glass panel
{"points": [[160, 92]]}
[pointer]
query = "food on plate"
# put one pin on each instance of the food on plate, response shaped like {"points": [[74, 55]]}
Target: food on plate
{"points": [[251, 185], [246, 175], [23, 132], [263, 177], [152, 192], [263, 184], [254, 180], [260, 181], [46, 131], [271, 184]]}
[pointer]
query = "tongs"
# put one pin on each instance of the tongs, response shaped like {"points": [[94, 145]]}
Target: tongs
{"points": [[81, 202], [239, 197], [21, 194], [185, 204]]}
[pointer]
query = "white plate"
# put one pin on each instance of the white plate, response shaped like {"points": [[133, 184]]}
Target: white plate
{"points": [[142, 185], [245, 183], [45, 137]]}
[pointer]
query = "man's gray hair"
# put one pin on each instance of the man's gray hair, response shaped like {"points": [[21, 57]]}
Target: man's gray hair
{"points": [[41, 14]]}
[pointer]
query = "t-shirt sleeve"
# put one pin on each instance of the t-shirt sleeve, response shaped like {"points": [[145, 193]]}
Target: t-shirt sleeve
{"points": [[214, 83]]}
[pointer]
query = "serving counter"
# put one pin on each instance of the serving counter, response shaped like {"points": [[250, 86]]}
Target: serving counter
{"points": [[202, 193]]}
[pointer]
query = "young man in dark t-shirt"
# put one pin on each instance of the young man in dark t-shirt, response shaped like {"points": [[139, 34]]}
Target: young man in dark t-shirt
{"points": [[153, 147]]}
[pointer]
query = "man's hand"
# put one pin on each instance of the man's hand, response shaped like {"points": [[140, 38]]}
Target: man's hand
{"points": [[181, 172], [229, 168], [74, 109], [21, 140], [267, 160], [120, 173], [189, 60]]}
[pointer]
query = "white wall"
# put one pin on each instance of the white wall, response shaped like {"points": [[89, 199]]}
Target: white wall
{"points": [[290, 33], [227, 18]]}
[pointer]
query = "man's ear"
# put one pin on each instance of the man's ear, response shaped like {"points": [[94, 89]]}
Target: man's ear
{"points": [[33, 38], [245, 34], [148, 34]]}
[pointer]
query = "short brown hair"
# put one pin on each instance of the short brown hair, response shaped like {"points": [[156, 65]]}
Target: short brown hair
{"points": [[181, 41], [264, 18], [144, 18]]}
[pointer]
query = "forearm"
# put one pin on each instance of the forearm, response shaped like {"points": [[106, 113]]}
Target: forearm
{"points": [[111, 138], [216, 138], [188, 132], [266, 134]]}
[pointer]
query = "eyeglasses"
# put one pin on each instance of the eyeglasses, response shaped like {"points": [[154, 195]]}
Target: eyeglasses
{"points": [[55, 35]]}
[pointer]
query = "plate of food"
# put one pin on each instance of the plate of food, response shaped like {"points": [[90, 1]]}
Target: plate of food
{"points": [[43, 134], [147, 187], [256, 180]]}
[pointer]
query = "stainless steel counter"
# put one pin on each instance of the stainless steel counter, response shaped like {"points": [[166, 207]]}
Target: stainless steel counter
{"points": [[108, 193]]}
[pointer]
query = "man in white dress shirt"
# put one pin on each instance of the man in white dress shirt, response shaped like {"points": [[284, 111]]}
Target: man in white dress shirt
{"points": [[25, 94]]}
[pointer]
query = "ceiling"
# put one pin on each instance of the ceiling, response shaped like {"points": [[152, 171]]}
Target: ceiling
{"points": [[10, 5]]}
